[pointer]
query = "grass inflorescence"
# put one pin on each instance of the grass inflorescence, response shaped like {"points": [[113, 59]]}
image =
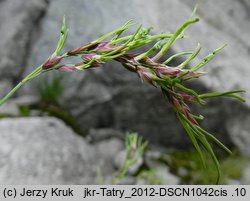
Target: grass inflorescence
{"points": [[147, 65]]}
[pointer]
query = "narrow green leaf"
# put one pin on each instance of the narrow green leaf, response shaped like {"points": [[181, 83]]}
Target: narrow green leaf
{"points": [[62, 38], [123, 28], [156, 46], [175, 56], [194, 11], [214, 139], [125, 44], [200, 117], [191, 135], [192, 56], [207, 59], [224, 94], [174, 38], [209, 149]]}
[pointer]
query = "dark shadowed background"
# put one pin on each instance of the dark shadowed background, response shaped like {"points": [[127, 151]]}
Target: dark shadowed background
{"points": [[60, 127]]}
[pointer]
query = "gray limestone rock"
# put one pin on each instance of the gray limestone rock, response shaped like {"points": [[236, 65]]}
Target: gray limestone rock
{"points": [[239, 129], [18, 19], [12, 106], [246, 176], [106, 152], [5, 86], [42, 150]]}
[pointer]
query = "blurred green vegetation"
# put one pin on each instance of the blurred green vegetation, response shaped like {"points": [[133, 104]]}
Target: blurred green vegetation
{"points": [[188, 166], [51, 89], [24, 111]]}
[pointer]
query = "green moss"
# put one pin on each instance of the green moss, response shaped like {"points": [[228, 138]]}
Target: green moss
{"points": [[24, 111], [2, 116], [195, 173], [233, 166]]}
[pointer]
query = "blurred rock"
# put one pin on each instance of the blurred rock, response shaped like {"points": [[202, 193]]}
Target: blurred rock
{"points": [[218, 14], [107, 150], [239, 128], [245, 179], [128, 180], [18, 19], [12, 106], [166, 176], [158, 169], [43, 151], [111, 97], [161, 174], [27, 100], [233, 182], [5, 87], [10, 109], [102, 134]]}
